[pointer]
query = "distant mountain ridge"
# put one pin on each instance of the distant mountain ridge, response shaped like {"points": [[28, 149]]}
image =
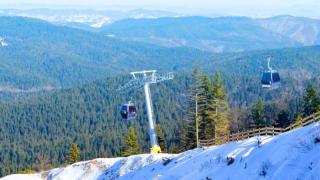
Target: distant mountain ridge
{"points": [[44, 54], [285, 30], [85, 18], [169, 29], [221, 34], [300, 29]]}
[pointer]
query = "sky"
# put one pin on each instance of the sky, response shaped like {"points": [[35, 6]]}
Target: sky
{"points": [[259, 8]]}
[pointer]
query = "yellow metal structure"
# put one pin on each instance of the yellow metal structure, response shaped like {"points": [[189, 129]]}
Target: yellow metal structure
{"points": [[155, 149]]}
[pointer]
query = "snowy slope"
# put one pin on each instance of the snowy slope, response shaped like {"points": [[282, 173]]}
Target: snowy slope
{"points": [[292, 155]]}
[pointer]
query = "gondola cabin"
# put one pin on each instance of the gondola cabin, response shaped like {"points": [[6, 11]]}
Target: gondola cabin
{"points": [[128, 111], [271, 78]]}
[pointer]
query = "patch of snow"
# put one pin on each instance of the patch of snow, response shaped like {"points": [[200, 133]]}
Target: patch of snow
{"points": [[248, 152], [291, 155], [111, 35], [24, 177], [143, 16], [3, 43], [101, 23]]}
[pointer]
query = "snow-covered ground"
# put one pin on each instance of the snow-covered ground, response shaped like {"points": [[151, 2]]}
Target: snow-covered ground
{"points": [[292, 155]]}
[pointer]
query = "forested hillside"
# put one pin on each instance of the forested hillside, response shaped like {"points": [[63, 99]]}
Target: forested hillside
{"points": [[47, 55], [50, 57], [43, 128]]}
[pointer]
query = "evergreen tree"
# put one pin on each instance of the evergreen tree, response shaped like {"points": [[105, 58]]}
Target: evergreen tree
{"points": [[311, 101], [206, 109], [188, 138], [283, 120], [220, 111], [218, 89], [73, 155], [132, 146], [257, 113], [213, 111], [161, 139]]}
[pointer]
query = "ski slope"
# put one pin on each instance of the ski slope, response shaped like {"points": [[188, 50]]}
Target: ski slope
{"points": [[292, 155]]}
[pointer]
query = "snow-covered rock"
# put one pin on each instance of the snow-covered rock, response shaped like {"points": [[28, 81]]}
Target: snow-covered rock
{"points": [[292, 155]]}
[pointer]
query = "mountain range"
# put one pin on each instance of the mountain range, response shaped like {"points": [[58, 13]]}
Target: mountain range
{"points": [[221, 34], [45, 55], [214, 34], [85, 18], [300, 29]]}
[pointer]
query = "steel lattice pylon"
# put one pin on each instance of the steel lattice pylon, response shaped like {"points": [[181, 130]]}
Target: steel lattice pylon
{"points": [[143, 79]]}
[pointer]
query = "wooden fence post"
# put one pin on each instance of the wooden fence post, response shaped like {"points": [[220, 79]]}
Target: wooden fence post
{"points": [[273, 131], [266, 130]]}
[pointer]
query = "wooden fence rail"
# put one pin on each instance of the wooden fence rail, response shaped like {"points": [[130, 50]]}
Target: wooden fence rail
{"points": [[271, 131]]}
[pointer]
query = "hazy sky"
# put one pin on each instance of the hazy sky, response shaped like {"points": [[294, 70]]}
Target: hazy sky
{"points": [[310, 8]]}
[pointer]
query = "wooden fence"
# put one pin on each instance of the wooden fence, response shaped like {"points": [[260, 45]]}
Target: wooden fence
{"points": [[271, 131]]}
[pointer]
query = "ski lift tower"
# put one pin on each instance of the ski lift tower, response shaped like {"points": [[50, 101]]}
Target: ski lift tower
{"points": [[143, 79]]}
